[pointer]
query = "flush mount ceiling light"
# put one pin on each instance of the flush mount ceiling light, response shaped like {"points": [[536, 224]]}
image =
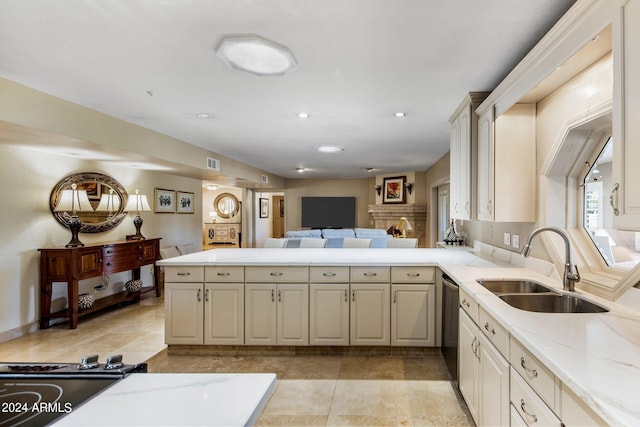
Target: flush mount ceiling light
{"points": [[204, 116], [255, 55], [329, 148], [400, 114], [303, 115], [300, 170]]}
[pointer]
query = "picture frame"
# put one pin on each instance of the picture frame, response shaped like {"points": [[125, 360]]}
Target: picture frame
{"points": [[264, 207], [184, 202], [394, 189], [164, 200], [93, 189]]}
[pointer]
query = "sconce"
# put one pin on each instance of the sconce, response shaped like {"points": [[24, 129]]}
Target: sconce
{"points": [[410, 187], [378, 189], [137, 203], [73, 201]]}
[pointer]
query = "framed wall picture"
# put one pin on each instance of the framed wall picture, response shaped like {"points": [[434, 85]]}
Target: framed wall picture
{"points": [[394, 190], [264, 208], [165, 201], [184, 202]]}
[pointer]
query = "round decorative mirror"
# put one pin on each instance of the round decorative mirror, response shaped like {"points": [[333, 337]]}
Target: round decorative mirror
{"points": [[226, 205], [106, 196]]}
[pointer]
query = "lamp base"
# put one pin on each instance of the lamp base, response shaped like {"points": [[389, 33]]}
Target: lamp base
{"points": [[74, 227], [137, 222]]}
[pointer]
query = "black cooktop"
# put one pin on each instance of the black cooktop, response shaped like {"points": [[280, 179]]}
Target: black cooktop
{"points": [[36, 402]]}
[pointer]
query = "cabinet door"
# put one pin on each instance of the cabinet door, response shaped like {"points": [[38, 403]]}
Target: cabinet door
{"points": [[260, 314], [485, 166], [493, 381], [413, 315], [454, 171], [370, 314], [293, 314], [626, 126], [224, 313], [183, 313], [468, 363], [329, 314], [464, 171]]}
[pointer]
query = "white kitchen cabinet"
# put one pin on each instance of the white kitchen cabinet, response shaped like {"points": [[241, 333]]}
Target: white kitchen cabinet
{"points": [[625, 196], [184, 313], [276, 314], [483, 375], [413, 315], [370, 314], [224, 313], [463, 140], [329, 314], [506, 168]]}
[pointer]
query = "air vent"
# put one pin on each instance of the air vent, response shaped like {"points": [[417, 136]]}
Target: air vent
{"points": [[265, 179], [213, 164]]}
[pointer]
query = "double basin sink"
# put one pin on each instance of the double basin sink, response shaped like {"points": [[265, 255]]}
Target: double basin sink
{"points": [[533, 296]]}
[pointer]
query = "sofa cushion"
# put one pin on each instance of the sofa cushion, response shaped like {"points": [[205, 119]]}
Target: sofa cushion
{"points": [[187, 249], [169, 252], [337, 232], [370, 232], [303, 233]]}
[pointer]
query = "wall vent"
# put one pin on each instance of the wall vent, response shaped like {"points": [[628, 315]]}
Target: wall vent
{"points": [[265, 179], [213, 164]]}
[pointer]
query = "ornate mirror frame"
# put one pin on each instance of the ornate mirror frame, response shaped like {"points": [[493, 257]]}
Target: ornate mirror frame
{"points": [[226, 205], [92, 222]]}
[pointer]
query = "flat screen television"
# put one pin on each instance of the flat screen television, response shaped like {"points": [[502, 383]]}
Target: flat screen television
{"points": [[329, 212]]}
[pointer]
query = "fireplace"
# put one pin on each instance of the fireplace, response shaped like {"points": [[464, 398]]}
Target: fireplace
{"points": [[385, 216]]}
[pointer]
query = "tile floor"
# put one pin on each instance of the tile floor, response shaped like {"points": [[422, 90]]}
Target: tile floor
{"points": [[311, 390]]}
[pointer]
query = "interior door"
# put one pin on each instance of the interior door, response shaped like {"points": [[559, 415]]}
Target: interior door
{"points": [[277, 215]]}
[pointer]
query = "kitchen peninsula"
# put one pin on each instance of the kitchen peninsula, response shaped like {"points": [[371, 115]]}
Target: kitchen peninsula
{"points": [[592, 358]]}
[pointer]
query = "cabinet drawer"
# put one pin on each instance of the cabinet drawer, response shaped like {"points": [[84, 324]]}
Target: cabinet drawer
{"points": [[529, 405], [538, 376], [184, 273], [276, 274], [413, 274], [224, 274], [496, 333], [469, 304], [370, 274], [329, 274]]}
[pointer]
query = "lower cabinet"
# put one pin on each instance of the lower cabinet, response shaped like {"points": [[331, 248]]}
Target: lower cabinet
{"points": [[184, 313], [276, 314], [329, 314], [370, 314], [483, 375], [412, 319]]}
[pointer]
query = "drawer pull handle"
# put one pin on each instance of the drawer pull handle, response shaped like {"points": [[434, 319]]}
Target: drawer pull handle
{"points": [[532, 417], [489, 328], [413, 274], [395, 296], [370, 274], [224, 273], [184, 274], [473, 345], [199, 294], [329, 274], [109, 264], [276, 274], [532, 372]]}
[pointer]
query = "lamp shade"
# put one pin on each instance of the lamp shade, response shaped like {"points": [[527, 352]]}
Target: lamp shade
{"points": [[109, 202], [73, 200], [137, 203], [404, 225]]}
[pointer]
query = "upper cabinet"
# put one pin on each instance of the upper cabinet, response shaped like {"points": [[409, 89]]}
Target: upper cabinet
{"points": [[625, 195], [506, 165], [464, 136]]}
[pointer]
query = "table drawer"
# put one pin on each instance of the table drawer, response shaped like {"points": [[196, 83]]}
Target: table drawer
{"points": [[469, 304], [276, 274], [538, 376], [529, 405], [413, 274], [329, 274], [496, 333], [224, 274], [184, 273], [370, 274]]}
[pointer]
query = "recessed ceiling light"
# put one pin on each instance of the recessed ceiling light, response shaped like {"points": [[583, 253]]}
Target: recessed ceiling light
{"points": [[204, 116], [255, 55], [329, 148], [300, 170], [303, 115], [212, 187], [400, 114]]}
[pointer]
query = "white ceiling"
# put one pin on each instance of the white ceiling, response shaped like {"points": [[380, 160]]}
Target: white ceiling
{"points": [[153, 63]]}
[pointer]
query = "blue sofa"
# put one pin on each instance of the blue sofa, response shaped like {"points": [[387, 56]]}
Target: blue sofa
{"points": [[335, 237]]}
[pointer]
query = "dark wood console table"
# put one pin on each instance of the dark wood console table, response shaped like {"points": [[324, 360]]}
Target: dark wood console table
{"points": [[71, 265]]}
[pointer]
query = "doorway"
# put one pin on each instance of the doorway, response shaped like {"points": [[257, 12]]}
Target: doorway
{"points": [[277, 215], [443, 211]]}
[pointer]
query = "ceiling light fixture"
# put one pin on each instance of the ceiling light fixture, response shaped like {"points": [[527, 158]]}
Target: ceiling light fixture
{"points": [[400, 114], [300, 170], [303, 115], [329, 148], [204, 116], [255, 55]]}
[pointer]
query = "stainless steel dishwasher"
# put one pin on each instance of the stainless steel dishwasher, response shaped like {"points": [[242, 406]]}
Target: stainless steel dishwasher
{"points": [[450, 302]]}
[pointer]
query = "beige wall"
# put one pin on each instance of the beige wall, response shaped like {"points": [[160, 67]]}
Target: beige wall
{"points": [[27, 178]]}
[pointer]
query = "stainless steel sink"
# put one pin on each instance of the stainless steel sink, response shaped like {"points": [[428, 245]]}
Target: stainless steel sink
{"points": [[513, 286], [552, 303]]}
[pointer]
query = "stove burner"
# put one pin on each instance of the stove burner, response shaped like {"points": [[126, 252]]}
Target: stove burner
{"points": [[33, 368]]}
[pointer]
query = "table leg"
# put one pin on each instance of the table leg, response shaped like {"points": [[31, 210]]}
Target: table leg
{"points": [[45, 303]]}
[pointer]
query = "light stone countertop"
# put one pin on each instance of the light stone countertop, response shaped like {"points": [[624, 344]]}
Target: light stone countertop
{"points": [[596, 355], [177, 400]]}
